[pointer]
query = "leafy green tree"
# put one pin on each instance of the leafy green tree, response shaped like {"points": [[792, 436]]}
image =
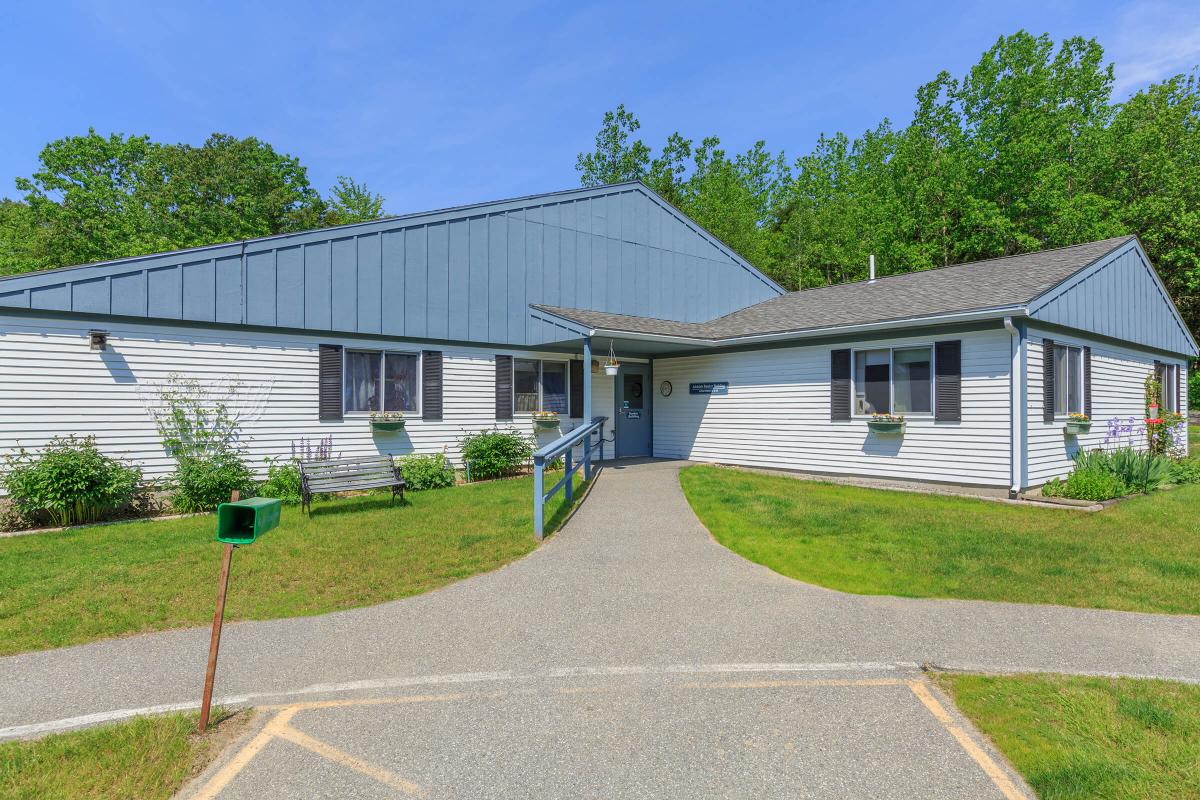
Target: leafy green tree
{"points": [[20, 239], [615, 158], [352, 202]]}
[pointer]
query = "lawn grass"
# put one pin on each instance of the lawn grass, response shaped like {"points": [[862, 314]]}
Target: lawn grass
{"points": [[94, 582], [1142, 554], [1075, 738], [147, 757]]}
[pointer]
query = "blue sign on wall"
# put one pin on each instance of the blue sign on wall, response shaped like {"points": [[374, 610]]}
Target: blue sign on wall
{"points": [[715, 387]]}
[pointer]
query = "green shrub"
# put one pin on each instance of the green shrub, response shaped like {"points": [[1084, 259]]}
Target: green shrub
{"points": [[1088, 484], [201, 483], [426, 472], [1138, 470], [1185, 470], [282, 483], [496, 453], [1053, 487], [69, 482], [1194, 388]]}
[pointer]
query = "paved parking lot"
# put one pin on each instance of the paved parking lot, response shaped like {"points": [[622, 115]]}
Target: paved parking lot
{"points": [[627, 607], [884, 734]]}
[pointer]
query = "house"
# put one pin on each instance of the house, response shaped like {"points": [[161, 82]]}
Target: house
{"points": [[473, 317]]}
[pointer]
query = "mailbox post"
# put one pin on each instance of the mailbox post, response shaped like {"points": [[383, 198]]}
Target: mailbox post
{"points": [[239, 522]]}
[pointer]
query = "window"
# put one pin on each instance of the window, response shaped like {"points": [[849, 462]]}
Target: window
{"points": [[1068, 380], [539, 386], [374, 380], [896, 381], [1170, 388]]}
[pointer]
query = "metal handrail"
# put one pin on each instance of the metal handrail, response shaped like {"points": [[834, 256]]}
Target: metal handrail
{"points": [[564, 446]]}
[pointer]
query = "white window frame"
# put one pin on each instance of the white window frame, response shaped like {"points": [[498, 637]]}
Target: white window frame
{"points": [[892, 379], [381, 353], [1071, 350], [541, 396], [1170, 382]]}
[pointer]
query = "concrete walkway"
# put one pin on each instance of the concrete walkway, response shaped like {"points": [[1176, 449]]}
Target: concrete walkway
{"points": [[633, 589]]}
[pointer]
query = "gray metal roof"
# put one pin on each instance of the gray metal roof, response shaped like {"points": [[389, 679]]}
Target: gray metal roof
{"points": [[1005, 282]]}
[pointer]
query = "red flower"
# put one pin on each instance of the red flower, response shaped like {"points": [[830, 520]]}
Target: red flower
{"points": [[1154, 422]]}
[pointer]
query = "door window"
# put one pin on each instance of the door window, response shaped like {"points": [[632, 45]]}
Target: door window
{"points": [[633, 391]]}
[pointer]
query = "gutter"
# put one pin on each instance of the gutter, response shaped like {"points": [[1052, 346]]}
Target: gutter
{"points": [[1016, 387], [966, 316]]}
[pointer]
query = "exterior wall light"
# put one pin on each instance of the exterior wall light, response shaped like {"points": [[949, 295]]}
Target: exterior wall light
{"points": [[98, 340]]}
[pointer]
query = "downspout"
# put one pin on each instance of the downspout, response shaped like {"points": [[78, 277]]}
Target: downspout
{"points": [[1016, 407]]}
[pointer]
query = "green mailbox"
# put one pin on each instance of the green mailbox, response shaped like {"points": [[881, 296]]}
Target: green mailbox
{"points": [[243, 521]]}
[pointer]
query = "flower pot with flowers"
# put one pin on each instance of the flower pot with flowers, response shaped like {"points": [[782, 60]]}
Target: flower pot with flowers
{"points": [[611, 366], [387, 421], [545, 420], [1077, 424], [888, 424]]}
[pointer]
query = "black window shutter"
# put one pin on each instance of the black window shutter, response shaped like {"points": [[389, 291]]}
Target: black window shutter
{"points": [[431, 385], [1047, 380], [947, 390], [329, 384], [577, 389], [504, 387], [1087, 381], [839, 384]]}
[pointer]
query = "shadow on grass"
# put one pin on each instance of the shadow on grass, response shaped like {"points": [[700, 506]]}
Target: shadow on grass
{"points": [[350, 505]]}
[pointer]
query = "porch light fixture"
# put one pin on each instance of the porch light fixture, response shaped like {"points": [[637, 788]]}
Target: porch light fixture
{"points": [[98, 340]]}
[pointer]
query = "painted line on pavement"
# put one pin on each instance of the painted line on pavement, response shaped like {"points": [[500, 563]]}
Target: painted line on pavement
{"points": [[977, 753], [69, 723]]}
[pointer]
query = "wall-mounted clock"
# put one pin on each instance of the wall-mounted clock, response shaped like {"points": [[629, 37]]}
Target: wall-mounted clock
{"points": [[665, 388]]}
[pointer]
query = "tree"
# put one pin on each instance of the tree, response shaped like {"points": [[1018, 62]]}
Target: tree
{"points": [[96, 197], [615, 159], [352, 202]]}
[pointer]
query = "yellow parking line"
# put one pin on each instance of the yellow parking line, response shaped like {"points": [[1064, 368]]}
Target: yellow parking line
{"points": [[989, 766], [353, 762], [236, 764], [370, 701]]}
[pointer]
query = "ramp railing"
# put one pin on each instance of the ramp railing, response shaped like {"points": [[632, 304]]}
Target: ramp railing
{"points": [[563, 446]]}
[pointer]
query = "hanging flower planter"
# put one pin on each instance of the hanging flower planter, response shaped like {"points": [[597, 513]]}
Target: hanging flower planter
{"points": [[611, 366], [545, 420], [886, 424], [387, 421], [1077, 424]]}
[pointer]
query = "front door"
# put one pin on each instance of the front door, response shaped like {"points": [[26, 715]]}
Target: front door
{"points": [[633, 410]]}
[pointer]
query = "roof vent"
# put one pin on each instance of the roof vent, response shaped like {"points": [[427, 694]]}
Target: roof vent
{"points": [[872, 268]]}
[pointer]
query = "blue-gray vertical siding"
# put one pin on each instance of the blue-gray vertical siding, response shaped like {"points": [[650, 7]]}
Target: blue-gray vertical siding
{"points": [[1120, 297], [467, 274]]}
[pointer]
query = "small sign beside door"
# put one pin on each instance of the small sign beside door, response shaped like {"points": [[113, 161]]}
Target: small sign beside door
{"points": [[714, 387], [633, 413]]}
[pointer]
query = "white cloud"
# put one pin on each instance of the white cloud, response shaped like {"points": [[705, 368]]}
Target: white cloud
{"points": [[1155, 40]]}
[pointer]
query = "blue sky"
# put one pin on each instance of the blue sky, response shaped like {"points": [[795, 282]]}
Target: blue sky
{"points": [[435, 104]]}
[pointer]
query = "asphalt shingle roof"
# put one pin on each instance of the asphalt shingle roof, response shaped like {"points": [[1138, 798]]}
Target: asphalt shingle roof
{"points": [[978, 285]]}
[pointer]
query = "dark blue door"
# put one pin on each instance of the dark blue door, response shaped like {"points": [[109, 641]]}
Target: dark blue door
{"points": [[633, 410]]}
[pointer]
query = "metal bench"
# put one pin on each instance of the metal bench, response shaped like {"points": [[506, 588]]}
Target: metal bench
{"points": [[348, 474]]}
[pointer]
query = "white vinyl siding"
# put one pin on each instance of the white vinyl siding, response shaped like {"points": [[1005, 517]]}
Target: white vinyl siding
{"points": [[55, 385], [1118, 391], [776, 414]]}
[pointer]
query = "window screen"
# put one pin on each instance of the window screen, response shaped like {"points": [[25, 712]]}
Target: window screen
{"points": [[399, 382], [360, 388], [872, 381], [1068, 380], [914, 380], [525, 385], [554, 386]]}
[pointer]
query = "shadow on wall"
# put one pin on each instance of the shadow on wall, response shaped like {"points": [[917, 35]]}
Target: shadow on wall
{"points": [[885, 446], [392, 443], [117, 366]]}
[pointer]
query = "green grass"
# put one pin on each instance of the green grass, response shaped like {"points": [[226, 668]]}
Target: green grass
{"points": [[1074, 738], [94, 582], [1142, 554], [147, 757]]}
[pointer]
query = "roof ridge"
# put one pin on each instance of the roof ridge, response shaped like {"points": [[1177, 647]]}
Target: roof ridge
{"points": [[1121, 239]]}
